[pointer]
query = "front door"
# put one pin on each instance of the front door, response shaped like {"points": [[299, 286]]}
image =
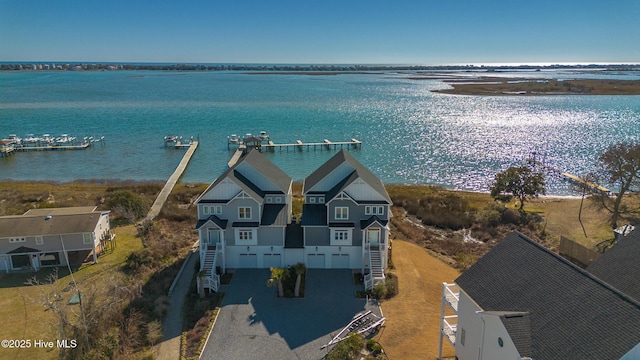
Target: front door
{"points": [[374, 238], [213, 238]]}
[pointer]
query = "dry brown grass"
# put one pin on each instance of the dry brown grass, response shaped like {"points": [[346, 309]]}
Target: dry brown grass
{"points": [[413, 316]]}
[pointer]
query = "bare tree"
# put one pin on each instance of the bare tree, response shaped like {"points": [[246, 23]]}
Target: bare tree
{"points": [[620, 164]]}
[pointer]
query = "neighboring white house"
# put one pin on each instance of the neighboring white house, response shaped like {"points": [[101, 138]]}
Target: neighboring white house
{"points": [[52, 237], [522, 301], [245, 219]]}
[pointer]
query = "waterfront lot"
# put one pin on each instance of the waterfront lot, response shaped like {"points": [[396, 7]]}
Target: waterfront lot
{"points": [[254, 324]]}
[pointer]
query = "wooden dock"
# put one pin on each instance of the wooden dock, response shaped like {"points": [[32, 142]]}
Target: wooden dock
{"points": [[570, 177], [54, 147], [300, 146], [168, 187]]}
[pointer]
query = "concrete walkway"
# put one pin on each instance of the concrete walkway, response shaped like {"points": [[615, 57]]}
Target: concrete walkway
{"points": [[168, 187], [169, 348]]}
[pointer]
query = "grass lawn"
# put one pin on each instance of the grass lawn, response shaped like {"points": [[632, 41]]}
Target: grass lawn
{"points": [[21, 311]]}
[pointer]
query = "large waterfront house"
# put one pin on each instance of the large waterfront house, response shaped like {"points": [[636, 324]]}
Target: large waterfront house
{"points": [[52, 237], [245, 219], [523, 301]]}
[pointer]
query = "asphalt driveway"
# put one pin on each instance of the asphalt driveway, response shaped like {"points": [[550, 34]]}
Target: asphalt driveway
{"points": [[254, 324]]}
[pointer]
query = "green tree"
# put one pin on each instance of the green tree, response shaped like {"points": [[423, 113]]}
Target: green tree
{"points": [[620, 164], [300, 269], [278, 275], [520, 182], [128, 205]]}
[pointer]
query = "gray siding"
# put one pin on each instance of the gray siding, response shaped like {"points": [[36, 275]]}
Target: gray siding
{"points": [[271, 236], [230, 211], [316, 236]]}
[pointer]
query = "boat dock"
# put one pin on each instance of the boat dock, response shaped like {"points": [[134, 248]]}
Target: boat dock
{"points": [[570, 177], [54, 147], [168, 187], [299, 145]]}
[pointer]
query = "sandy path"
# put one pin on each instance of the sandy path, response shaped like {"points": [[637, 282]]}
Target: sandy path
{"points": [[413, 316]]}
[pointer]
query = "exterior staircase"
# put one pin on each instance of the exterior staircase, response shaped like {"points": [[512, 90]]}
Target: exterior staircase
{"points": [[210, 280], [376, 270]]}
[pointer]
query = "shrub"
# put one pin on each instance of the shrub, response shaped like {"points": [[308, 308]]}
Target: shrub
{"points": [[379, 291], [347, 349]]}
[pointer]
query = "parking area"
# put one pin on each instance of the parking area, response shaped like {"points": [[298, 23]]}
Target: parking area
{"points": [[254, 324]]}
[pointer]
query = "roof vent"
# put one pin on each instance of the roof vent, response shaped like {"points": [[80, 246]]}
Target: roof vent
{"points": [[48, 217]]}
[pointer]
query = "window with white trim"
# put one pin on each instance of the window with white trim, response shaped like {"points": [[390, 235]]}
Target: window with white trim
{"points": [[278, 200], [245, 235], [342, 213], [312, 200], [17, 240], [39, 240], [321, 199], [244, 213], [374, 210], [213, 210], [86, 238], [269, 199], [341, 236]]}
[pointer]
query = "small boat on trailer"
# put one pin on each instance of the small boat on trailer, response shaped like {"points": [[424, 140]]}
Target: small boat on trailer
{"points": [[362, 323]]}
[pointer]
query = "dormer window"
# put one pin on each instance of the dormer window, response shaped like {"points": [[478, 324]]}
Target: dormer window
{"points": [[269, 199], [312, 200], [321, 199]]}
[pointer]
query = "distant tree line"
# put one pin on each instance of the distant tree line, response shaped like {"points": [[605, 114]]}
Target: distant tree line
{"points": [[51, 66]]}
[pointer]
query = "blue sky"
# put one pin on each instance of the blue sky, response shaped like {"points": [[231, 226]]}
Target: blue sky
{"points": [[321, 32]]}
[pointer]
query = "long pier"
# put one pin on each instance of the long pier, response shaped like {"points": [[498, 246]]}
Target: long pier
{"points": [[573, 178], [325, 144], [168, 187]]}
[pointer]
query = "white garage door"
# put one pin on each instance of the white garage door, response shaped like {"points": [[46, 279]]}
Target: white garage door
{"points": [[315, 261], [248, 261], [272, 260], [340, 261]]}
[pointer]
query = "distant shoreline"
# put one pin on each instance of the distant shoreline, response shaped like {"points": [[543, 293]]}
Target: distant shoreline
{"points": [[538, 87], [297, 68]]}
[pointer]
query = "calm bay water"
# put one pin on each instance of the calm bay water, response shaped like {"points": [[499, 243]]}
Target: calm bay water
{"points": [[409, 134]]}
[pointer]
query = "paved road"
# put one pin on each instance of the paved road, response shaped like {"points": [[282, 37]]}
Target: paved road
{"points": [[254, 324]]}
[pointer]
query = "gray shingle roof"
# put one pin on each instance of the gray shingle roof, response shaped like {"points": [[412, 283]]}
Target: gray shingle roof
{"points": [[361, 171], [222, 224], [373, 219], [275, 214], [260, 163], [25, 225], [573, 314], [620, 265]]}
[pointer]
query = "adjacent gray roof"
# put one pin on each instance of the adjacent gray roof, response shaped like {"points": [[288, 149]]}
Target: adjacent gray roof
{"points": [[15, 226], [360, 171], [265, 167], [573, 314], [620, 265], [314, 215], [518, 325], [274, 215], [61, 211], [373, 219], [222, 224]]}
